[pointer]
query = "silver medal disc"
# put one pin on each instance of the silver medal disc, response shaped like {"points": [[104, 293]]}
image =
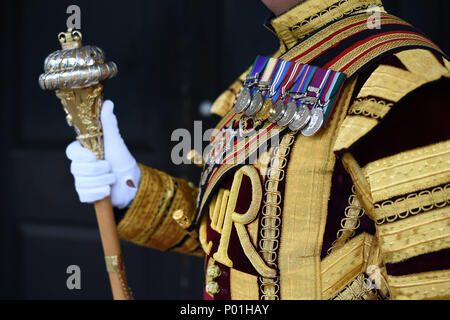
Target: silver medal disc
{"points": [[255, 105], [314, 124], [277, 112], [288, 116], [301, 118], [243, 101]]}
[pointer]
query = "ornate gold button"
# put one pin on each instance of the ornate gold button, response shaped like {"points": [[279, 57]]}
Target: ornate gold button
{"points": [[213, 272], [181, 219], [212, 288]]}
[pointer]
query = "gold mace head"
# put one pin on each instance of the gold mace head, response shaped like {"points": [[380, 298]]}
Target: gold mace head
{"points": [[76, 73]]}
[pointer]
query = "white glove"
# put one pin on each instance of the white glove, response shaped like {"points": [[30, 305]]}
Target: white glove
{"points": [[117, 176]]}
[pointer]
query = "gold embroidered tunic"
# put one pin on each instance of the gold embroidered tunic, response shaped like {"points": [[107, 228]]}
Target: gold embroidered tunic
{"points": [[346, 214]]}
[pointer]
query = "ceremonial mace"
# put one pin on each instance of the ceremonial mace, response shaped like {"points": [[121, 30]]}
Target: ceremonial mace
{"points": [[76, 73]]}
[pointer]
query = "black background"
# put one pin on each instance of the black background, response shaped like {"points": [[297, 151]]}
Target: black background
{"points": [[172, 55]]}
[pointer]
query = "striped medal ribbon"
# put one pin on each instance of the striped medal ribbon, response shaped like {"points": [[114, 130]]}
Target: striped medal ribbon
{"points": [[278, 107], [259, 91], [284, 68], [316, 88], [286, 108]]}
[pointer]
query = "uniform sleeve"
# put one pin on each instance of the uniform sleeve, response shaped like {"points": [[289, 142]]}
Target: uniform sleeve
{"points": [[401, 172], [150, 220]]}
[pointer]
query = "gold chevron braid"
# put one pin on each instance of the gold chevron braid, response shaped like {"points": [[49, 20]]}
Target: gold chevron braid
{"points": [[335, 29], [391, 41]]}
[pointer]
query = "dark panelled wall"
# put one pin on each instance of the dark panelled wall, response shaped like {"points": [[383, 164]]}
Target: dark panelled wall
{"points": [[172, 55]]}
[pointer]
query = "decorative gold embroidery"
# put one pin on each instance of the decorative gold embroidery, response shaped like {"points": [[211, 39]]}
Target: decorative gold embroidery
{"points": [[391, 83], [335, 33], [240, 220], [149, 221], [410, 41], [344, 264], [370, 107], [243, 286], [412, 204], [259, 138], [361, 184], [207, 246], [428, 285], [358, 289], [353, 213], [415, 236], [353, 129], [409, 171], [423, 63], [217, 209], [313, 15], [271, 220], [305, 207]]}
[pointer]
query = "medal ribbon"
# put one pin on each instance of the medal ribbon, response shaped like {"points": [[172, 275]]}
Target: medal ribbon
{"points": [[283, 69], [271, 68], [258, 67], [304, 79], [320, 81], [325, 98], [294, 74]]}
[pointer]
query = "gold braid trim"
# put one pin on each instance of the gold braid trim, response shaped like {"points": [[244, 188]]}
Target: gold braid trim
{"points": [[417, 235], [314, 15], [344, 264], [391, 83], [412, 204], [353, 213], [429, 285], [149, 222], [243, 286], [361, 184], [271, 211], [358, 289], [409, 171], [423, 63], [387, 83], [371, 108]]}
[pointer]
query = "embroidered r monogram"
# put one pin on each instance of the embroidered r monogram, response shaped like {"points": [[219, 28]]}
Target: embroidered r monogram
{"points": [[223, 216]]}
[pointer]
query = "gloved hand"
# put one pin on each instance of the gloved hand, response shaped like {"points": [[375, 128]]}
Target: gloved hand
{"points": [[117, 176]]}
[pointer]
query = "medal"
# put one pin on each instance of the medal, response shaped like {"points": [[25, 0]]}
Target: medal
{"points": [[277, 112], [317, 117], [280, 113], [262, 88], [301, 118], [244, 100], [315, 123], [263, 114], [288, 115], [255, 105]]}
